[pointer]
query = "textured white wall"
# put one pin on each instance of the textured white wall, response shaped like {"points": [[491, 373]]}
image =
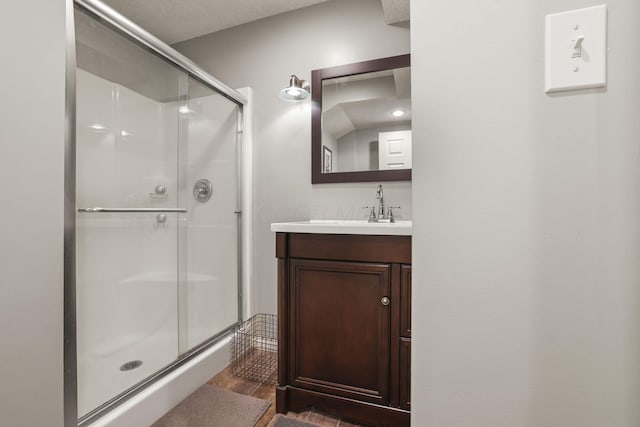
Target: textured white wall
{"points": [[263, 55], [32, 42], [526, 223]]}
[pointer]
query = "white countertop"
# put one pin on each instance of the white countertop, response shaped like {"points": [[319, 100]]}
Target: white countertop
{"points": [[398, 228]]}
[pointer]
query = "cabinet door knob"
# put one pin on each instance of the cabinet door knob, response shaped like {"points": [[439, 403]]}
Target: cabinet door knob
{"points": [[385, 300]]}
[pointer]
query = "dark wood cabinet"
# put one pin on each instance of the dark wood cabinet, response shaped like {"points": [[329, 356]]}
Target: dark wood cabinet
{"points": [[343, 342]]}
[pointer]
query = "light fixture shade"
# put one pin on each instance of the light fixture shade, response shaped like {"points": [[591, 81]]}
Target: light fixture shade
{"points": [[296, 91]]}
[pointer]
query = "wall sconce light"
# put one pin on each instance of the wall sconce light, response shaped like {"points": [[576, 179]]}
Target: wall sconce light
{"points": [[296, 91]]}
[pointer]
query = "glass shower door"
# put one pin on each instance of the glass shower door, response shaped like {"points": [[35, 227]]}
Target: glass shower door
{"points": [[208, 290], [128, 213], [127, 252], [156, 228]]}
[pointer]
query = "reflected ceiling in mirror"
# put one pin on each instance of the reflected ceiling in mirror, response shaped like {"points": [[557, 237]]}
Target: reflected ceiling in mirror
{"points": [[361, 121], [362, 112]]}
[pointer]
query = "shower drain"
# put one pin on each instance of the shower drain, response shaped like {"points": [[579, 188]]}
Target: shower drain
{"points": [[131, 365]]}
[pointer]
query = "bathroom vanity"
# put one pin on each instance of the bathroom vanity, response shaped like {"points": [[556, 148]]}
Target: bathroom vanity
{"points": [[344, 307]]}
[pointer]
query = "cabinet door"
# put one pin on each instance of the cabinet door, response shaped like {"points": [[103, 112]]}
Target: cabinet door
{"points": [[340, 328]]}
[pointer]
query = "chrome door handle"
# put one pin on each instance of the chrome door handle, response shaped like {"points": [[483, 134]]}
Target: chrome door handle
{"points": [[385, 300]]}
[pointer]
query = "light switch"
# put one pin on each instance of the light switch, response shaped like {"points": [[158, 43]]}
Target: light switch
{"points": [[576, 49]]}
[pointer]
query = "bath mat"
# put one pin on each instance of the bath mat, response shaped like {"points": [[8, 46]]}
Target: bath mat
{"points": [[284, 421], [210, 406]]}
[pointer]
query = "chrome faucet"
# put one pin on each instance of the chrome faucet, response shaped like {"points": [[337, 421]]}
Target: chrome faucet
{"points": [[380, 197], [381, 215]]}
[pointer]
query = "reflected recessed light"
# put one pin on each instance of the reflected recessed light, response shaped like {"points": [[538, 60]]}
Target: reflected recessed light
{"points": [[184, 110], [97, 127], [397, 113], [124, 133]]}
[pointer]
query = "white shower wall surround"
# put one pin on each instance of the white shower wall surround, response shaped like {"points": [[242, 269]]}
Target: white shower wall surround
{"points": [[149, 290]]}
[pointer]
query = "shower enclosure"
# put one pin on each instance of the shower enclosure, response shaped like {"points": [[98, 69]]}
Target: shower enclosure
{"points": [[157, 166]]}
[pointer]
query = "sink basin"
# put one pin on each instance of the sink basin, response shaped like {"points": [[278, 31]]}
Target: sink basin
{"points": [[338, 226]]}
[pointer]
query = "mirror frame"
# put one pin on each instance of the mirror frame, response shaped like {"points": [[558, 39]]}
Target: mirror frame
{"points": [[317, 76]]}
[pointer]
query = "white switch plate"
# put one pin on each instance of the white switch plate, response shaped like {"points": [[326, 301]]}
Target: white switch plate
{"points": [[568, 67]]}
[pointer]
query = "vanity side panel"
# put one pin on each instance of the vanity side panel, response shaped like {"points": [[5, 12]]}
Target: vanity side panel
{"points": [[282, 401], [282, 245]]}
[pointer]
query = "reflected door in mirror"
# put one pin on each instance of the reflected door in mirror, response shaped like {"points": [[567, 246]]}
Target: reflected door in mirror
{"points": [[394, 150]]}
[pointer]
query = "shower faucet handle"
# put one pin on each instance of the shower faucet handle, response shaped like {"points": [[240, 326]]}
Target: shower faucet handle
{"points": [[202, 190]]}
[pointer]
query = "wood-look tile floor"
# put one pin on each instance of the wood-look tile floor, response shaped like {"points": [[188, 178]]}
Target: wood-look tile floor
{"points": [[227, 380]]}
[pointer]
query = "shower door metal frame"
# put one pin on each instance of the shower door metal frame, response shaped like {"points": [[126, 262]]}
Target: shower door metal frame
{"points": [[139, 36]]}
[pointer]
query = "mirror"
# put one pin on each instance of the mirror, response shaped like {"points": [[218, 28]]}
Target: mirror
{"points": [[361, 121]]}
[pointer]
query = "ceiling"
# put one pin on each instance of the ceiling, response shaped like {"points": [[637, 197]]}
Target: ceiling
{"points": [[174, 21], [366, 101]]}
